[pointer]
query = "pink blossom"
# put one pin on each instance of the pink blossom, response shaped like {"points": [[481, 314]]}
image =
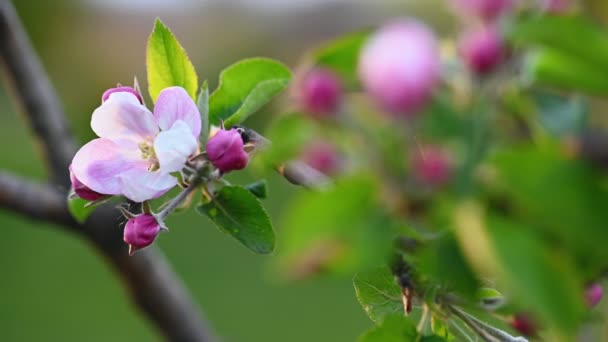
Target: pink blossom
{"points": [[82, 190], [319, 92], [225, 150], [137, 150], [593, 294], [432, 165], [107, 93], [140, 231], [555, 6], [481, 49], [322, 157], [399, 66]]}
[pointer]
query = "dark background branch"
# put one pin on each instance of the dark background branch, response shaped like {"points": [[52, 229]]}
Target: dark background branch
{"points": [[150, 281]]}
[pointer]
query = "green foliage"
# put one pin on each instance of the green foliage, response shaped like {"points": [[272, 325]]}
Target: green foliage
{"points": [[258, 189], [571, 51], [294, 131], [202, 102], [236, 211], [167, 63], [342, 56], [378, 293], [343, 229], [561, 115], [544, 281], [78, 209], [396, 328], [245, 87]]}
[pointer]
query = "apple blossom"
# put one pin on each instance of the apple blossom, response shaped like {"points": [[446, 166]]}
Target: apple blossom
{"points": [[322, 157], [107, 93], [431, 165], [481, 49], [137, 150], [82, 190], [399, 66], [319, 92], [226, 150], [524, 324], [140, 231]]}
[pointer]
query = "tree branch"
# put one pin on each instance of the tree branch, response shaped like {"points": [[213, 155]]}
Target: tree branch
{"points": [[147, 275], [151, 283], [36, 94]]}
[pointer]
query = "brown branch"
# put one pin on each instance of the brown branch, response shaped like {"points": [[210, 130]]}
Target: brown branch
{"points": [[147, 276], [36, 94]]}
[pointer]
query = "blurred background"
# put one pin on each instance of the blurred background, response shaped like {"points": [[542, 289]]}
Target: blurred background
{"points": [[54, 286]]}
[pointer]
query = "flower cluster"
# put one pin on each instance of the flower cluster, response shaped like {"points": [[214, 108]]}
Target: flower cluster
{"points": [[139, 154]]}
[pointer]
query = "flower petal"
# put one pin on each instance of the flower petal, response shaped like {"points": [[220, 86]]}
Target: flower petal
{"points": [[138, 184], [174, 146], [98, 164], [175, 104], [121, 117]]}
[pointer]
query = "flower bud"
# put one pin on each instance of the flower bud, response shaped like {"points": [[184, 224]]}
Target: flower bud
{"points": [[399, 66], [82, 190], [322, 157], [225, 150], [319, 92], [524, 324], [140, 231], [107, 93], [593, 294], [486, 10], [481, 49], [432, 165]]}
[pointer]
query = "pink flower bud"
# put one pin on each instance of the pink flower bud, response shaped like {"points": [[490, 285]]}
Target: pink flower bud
{"points": [[107, 93], [431, 165], [399, 66], [523, 323], [319, 92], [487, 10], [554, 6], [140, 231], [481, 49], [82, 190], [593, 294], [225, 150], [322, 157]]}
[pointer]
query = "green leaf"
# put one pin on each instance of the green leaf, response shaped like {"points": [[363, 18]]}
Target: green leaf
{"points": [[342, 56], [77, 209], [237, 212], [540, 279], [343, 229], [378, 293], [258, 189], [245, 87], [554, 68], [168, 64], [490, 298], [202, 102], [396, 328], [293, 131], [575, 36]]}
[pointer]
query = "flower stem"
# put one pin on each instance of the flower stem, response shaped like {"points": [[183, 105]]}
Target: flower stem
{"points": [[484, 330], [179, 199]]}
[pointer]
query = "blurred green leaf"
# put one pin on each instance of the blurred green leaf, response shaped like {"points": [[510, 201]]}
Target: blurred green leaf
{"points": [[341, 55], [343, 229], [378, 293], [237, 212], [293, 131], [558, 195], [576, 36], [396, 328], [77, 209], [561, 115], [245, 87], [202, 102], [167, 63], [258, 189], [490, 298], [441, 119], [554, 68], [541, 280]]}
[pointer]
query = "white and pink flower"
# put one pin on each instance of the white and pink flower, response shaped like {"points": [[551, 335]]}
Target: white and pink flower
{"points": [[137, 150]]}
